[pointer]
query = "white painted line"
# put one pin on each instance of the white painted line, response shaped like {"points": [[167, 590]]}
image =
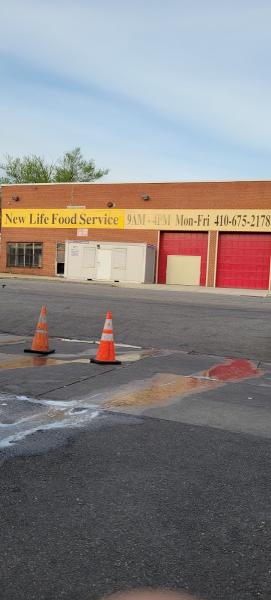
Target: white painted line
{"points": [[119, 345], [126, 346], [80, 341], [205, 378]]}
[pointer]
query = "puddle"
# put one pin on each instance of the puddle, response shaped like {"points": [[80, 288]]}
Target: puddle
{"points": [[16, 361], [234, 370], [24, 362]]}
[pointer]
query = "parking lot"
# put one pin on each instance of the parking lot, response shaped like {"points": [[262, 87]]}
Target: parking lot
{"points": [[154, 472]]}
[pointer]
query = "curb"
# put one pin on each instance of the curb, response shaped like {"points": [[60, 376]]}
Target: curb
{"points": [[144, 286]]}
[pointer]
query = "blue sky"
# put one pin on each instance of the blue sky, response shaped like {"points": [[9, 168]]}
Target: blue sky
{"points": [[153, 90]]}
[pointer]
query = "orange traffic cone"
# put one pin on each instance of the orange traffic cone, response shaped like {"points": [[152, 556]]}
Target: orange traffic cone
{"points": [[106, 351], [40, 344]]}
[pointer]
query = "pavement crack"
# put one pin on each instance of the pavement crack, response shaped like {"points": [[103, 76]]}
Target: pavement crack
{"points": [[61, 387]]}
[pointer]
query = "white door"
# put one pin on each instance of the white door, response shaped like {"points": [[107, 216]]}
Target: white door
{"points": [[104, 263], [88, 262], [183, 270], [119, 259]]}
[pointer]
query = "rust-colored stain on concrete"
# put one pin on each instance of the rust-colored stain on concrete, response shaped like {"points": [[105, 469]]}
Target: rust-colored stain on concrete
{"points": [[160, 388], [234, 370], [163, 387]]}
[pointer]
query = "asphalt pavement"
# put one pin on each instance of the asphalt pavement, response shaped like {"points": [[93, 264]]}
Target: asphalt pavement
{"points": [[209, 324], [152, 473]]}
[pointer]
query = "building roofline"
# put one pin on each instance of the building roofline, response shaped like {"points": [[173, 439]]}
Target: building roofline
{"points": [[186, 181]]}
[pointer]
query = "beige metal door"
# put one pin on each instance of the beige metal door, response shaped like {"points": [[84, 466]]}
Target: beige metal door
{"points": [[183, 270]]}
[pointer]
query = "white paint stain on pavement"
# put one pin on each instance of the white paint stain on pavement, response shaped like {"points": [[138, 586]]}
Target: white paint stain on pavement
{"points": [[21, 416]]}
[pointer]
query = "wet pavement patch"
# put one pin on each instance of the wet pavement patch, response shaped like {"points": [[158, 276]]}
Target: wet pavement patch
{"points": [[24, 362], [6, 338], [77, 351], [106, 390]]}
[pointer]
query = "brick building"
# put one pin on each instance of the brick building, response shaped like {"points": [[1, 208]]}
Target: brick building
{"points": [[218, 232]]}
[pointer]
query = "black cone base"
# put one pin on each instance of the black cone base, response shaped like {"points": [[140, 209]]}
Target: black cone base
{"points": [[40, 352], [105, 362]]}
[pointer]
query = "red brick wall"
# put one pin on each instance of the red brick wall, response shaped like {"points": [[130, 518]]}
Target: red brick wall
{"points": [[236, 194], [222, 195]]}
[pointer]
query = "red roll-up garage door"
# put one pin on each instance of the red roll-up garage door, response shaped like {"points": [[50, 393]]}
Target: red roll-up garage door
{"points": [[243, 260], [184, 244]]}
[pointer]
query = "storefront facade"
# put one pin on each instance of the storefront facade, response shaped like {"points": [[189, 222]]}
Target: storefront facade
{"points": [[208, 234]]}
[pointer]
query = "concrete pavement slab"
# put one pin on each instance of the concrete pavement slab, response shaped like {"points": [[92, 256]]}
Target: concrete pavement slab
{"points": [[210, 410], [76, 379]]}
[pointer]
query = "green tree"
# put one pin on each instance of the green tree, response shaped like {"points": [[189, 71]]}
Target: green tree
{"points": [[29, 169], [73, 167], [34, 169]]}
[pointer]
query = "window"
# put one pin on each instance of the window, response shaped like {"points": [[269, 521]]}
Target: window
{"points": [[24, 254]]}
